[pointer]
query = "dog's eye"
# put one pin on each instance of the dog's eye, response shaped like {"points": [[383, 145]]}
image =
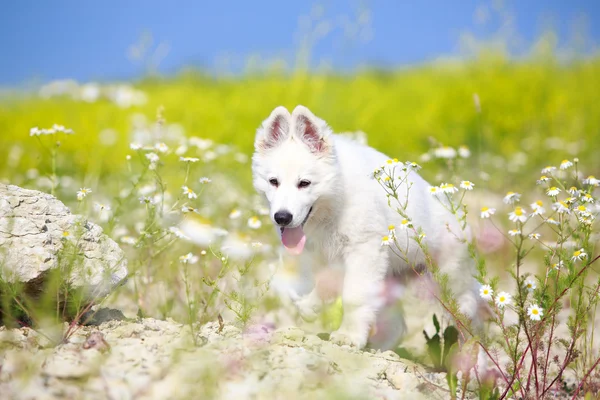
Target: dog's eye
{"points": [[303, 183], [274, 182]]}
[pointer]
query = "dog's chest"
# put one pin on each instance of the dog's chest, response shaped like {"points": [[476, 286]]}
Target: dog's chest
{"points": [[327, 245]]}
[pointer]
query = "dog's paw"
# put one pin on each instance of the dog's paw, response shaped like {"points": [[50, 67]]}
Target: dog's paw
{"points": [[308, 310], [349, 339]]}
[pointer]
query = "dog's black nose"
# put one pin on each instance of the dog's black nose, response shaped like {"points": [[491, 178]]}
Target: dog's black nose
{"points": [[283, 217]]}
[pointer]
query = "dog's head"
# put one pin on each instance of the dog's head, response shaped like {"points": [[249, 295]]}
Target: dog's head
{"points": [[294, 166]]}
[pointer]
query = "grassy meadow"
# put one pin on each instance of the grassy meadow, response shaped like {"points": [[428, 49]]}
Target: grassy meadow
{"points": [[209, 249]]}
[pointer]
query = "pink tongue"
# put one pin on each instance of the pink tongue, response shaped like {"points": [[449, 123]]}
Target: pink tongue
{"points": [[293, 240]]}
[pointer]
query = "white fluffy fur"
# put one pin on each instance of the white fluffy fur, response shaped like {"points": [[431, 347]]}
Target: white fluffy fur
{"points": [[349, 217]]}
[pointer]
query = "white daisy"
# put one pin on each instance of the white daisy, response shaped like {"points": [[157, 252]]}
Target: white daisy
{"points": [[552, 221], [553, 191], [386, 241], [573, 191], [543, 179], [514, 232], [188, 209], [254, 222], [579, 255], [434, 190], [161, 147], [534, 236], [135, 146], [503, 299], [561, 207], [189, 258], [530, 285], [549, 169], [189, 159], [558, 265], [511, 197], [204, 180], [392, 231], [444, 152], [587, 198], [518, 215], [591, 180], [189, 192], [448, 188], [405, 223], [99, 207], [467, 185], [487, 212], [152, 157], [535, 312], [235, 214], [537, 208], [83, 192], [464, 152], [565, 164], [486, 292]]}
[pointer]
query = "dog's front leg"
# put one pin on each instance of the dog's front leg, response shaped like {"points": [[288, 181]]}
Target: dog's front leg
{"points": [[366, 266]]}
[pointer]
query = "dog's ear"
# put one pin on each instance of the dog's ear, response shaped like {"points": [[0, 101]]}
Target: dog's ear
{"points": [[310, 129], [273, 129]]}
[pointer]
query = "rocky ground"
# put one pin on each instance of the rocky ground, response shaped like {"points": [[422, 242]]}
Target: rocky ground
{"points": [[154, 359]]}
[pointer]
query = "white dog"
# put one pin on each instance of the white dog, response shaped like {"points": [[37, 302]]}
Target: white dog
{"points": [[330, 211]]}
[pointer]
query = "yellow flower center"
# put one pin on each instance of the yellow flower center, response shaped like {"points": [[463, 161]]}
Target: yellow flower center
{"points": [[502, 299], [577, 253], [386, 238], [484, 209], [391, 227], [404, 222], [518, 211], [535, 311]]}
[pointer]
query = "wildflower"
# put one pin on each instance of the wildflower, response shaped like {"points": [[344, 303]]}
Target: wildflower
{"points": [[413, 165], [178, 233], [128, 157], [535, 312], [66, 235], [444, 152], [534, 236], [553, 191], [486, 292], [152, 157], [386, 241], [256, 245], [189, 192], [587, 219], [235, 214], [583, 211], [503, 299], [561, 207], [391, 163], [573, 191], [566, 164], [387, 179], [83, 192], [434, 190], [128, 239], [188, 209], [570, 200], [518, 215], [467, 185], [579, 255], [530, 285], [422, 236], [549, 169], [204, 180], [203, 253], [514, 232], [448, 188], [558, 265], [537, 207], [161, 147], [392, 231], [189, 258], [254, 222], [135, 146], [101, 207], [35, 131], [487, 212], [511, 197], [464, 152], [591, 180], [543, 179], [146, 200], [405, 224], [189, 159], [552, 221], [587, 198]]}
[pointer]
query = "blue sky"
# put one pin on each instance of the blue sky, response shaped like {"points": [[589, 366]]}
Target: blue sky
{"points": [[84, 40]]}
